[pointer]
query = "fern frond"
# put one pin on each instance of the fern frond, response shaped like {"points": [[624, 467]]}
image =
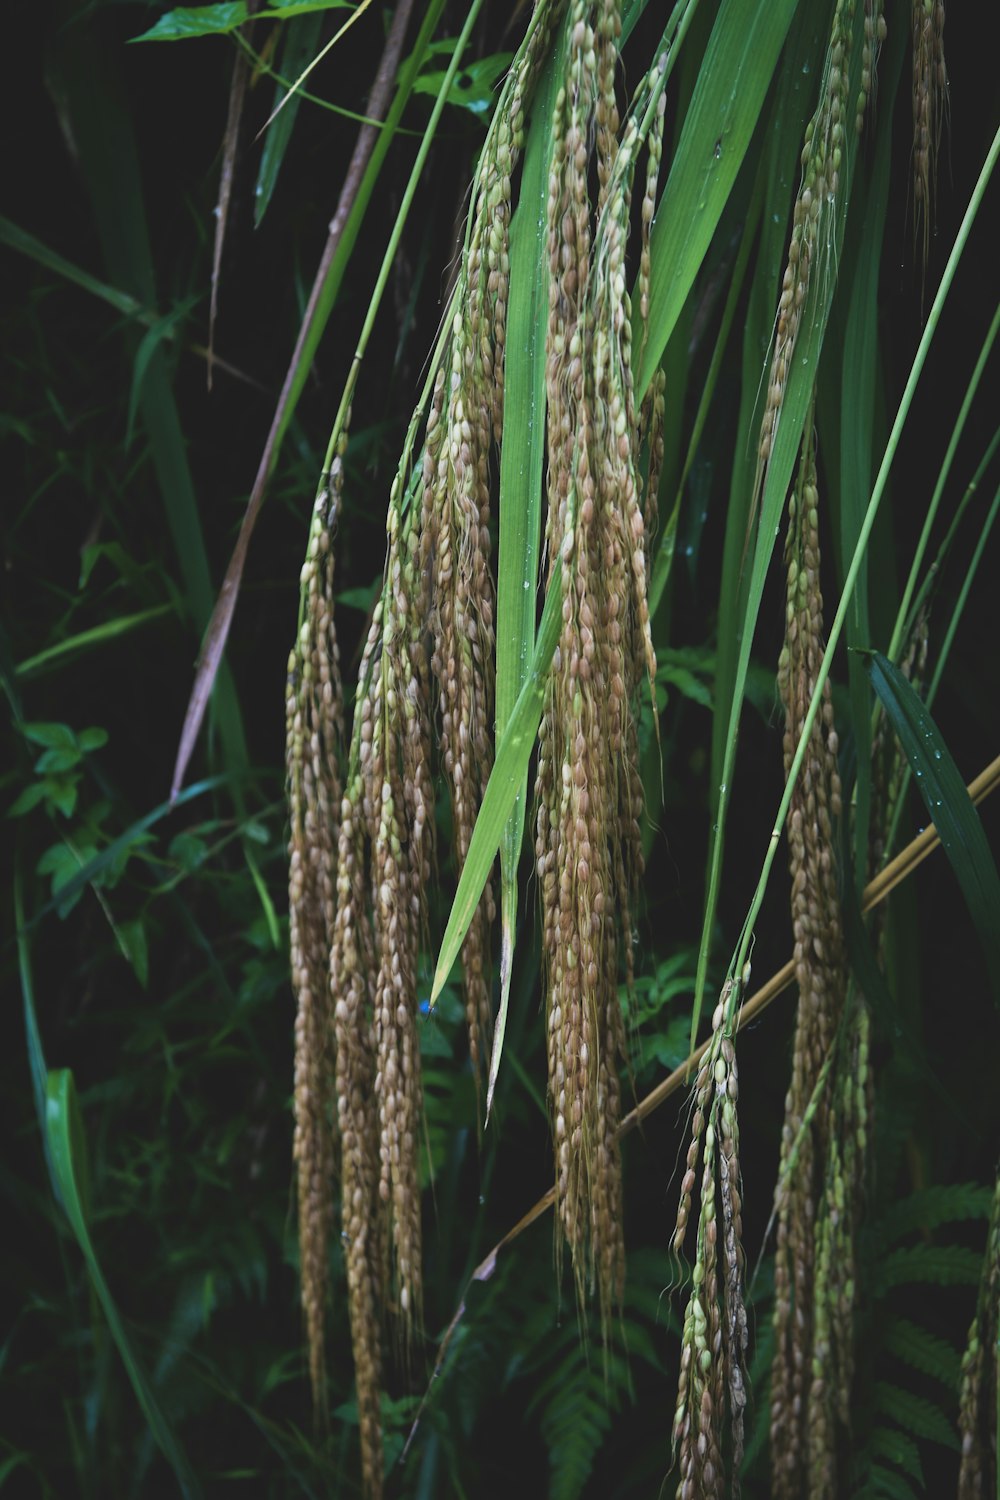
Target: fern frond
{"points": [[924, 1351], [897, 1448], [890, 1484], [915, 1414], [934, 1265], [944, 1203]]}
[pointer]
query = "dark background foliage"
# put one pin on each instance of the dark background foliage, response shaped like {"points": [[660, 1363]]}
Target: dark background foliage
{"points": [[165, 986]]}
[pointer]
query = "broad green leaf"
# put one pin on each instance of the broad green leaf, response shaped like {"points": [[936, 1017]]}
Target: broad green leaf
{"points": [[506, 779], [92, 739], [64, 1133], [521, 459], [947, 801], [29, 798], [55, 736], [474, 88], [55, 761], [744, 46], [189, 21]]}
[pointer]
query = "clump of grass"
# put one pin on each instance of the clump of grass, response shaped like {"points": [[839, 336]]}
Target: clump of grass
{"points": [[707, 1432]]}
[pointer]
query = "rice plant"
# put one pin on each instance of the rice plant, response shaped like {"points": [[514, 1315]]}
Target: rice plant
{"points": [[570, 744]]}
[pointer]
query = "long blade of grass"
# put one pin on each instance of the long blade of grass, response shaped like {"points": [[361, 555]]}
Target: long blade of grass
{"points": [[19, 239], [64, 1133], [947, 802], [506, 780], [53, 656], [744, 45], [62, 1140], [521, 459], [298, 45]]}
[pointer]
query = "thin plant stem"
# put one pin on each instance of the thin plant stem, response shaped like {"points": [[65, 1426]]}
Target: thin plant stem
{"points": [[942, 479], [916, 371]]}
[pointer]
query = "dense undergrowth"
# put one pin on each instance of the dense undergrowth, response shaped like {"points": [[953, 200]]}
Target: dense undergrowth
{"points": [[690, 382]]}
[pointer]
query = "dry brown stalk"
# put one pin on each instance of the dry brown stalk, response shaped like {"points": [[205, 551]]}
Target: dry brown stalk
{"points": [[314, 725], [222, 615], [978, 1394]]}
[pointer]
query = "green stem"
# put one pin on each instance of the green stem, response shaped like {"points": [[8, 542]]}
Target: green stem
{"points": [[902, 618]]}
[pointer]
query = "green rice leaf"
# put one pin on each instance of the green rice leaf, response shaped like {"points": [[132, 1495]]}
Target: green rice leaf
{"points": [[189, 21], [947, 801], [744, 45], [506, 779], [521, 459]]}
